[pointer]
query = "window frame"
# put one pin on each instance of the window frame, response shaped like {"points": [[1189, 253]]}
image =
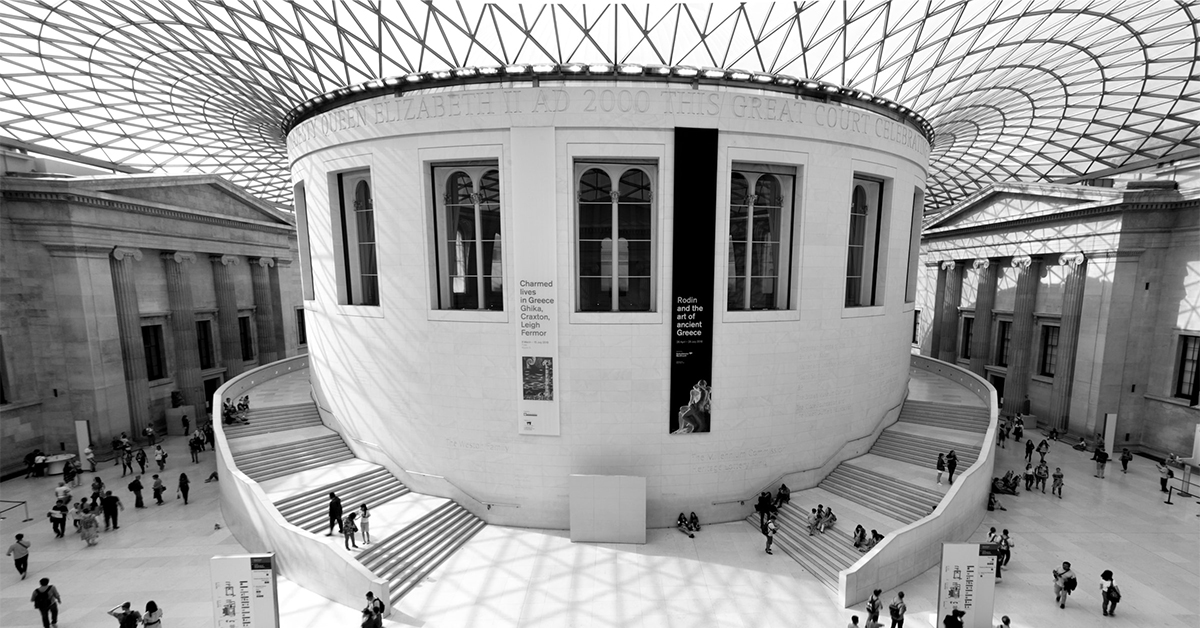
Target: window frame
{"points": [[615, 168], [966, 334], [301, 327], [6, 396], [1188, 351], [355, 285], [914, 246], [1002, 343], [790, 180], [1047, 350], [214, 362], [476, 170], [300, 200], [874, 240], [155, 353], [246, 331]]}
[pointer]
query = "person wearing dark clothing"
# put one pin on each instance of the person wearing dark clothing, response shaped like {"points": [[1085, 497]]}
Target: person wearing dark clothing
{"points": [[136, 487], [126, 458], [158, 488], [126, 616], [194, 446], [111, 504], [1125, 458], [1110, 594], [58, 518], [185, 485], [1043, 448], [1029, 450], [140, 458], [31, 462], [954, 619], [897, 609], [764, 507], [335, 513], [951, 465], [783, 496], [1101, 458], [45, 598]]}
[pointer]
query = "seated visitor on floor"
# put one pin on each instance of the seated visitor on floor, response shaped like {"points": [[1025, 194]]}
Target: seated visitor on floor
{"points": [[1081, 445], [694, 522], [682, 524]]}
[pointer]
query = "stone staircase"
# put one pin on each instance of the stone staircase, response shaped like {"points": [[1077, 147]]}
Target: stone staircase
{"points": [[310, 510], [949, 416], [405, 558], [921, 450], [822, 554], [898, 499], [275, 419], [277, 461]]}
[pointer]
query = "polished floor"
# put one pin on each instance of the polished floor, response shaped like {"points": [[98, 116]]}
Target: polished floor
{"points": [[518, 577]]}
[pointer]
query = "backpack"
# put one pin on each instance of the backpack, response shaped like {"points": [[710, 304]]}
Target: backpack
{"points": [[1069, 584], [873, 605], [894, 609], [1114, 594], [41, 598]]}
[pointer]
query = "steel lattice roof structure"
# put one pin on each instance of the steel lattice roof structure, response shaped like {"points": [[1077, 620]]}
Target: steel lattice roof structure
{"points": [[1027, 91]]}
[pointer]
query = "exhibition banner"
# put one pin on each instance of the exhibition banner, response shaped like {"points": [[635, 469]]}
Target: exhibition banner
{"points": [[535, 264], [244, 591], [967, 582], [695, 238]]}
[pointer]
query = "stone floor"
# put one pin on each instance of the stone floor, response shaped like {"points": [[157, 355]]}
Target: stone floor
{"points": [[537, 578]]}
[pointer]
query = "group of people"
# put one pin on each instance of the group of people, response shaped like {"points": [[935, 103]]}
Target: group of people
{"points": [[348, 526], [821, 519], [127, 617], [688, 525], [946, 463], [235, 412], [864, 543]]}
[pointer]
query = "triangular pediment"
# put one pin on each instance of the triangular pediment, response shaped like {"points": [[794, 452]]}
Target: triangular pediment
{"points": [[1007, 202]]}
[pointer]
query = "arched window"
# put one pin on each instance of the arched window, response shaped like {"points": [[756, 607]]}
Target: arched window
{"points": [[760, 237], [863, 256], [615, 238], [358, 270], [469, 265]]}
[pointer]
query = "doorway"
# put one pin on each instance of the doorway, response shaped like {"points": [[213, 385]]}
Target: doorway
{"points": [[210, 388], [997, 382]]}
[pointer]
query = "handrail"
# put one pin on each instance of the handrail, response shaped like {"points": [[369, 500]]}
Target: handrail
{"points": [[20, 503], [833, 455], [459, 489]]}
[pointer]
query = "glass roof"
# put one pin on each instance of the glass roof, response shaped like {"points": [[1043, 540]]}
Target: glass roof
{"points": [[1028, 91]]}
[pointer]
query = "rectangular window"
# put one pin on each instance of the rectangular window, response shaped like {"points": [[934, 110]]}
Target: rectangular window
{"points": [[301, 332], [1049, 361], [914, 246], [246, 331], [470, 263], [204, 342], [760, 237], [863, 259], [306, 276], [968, 336], [615, 237], [4, 391], [354, 228], [916, 326], [152, 341], [1003, 334], [1187, 378]]}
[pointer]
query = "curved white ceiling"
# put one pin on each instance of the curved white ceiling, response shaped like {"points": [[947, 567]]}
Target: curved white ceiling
{"points": [[1028, 91]]}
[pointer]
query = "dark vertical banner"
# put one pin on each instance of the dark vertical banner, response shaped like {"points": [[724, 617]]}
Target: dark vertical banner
{"points": [[695, 239]]}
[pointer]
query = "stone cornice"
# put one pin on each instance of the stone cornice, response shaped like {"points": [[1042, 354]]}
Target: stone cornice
{"points": [[73, 249]]}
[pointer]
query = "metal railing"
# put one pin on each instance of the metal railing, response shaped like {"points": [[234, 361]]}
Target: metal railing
{"points": [[18, 505]]}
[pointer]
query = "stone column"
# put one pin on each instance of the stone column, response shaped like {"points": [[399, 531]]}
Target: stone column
{"points": [[264, 315], [183, 329], [1068, 340], [939, 298], [227, 315], [1016, 383], [985, 300], [277, 298], [129, 323], [952, 295]]}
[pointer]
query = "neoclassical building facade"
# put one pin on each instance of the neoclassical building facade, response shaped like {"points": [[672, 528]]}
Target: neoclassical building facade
{"points": [[126, 296], [1075, 302]]}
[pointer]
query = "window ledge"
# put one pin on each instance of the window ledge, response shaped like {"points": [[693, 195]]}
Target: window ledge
{"points": [[616, 318], [760, 316], [863, 311], [1175, 401], [166, 381], [1045, 379], [469, 316], [910, 306], [17, 405], [365, 311]]}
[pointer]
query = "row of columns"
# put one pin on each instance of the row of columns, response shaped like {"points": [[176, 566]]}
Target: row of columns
{"points": [[944, 335], [183, 323]]}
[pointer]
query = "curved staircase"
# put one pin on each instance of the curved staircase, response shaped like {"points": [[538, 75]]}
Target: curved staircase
{"points": [[891, 486]]}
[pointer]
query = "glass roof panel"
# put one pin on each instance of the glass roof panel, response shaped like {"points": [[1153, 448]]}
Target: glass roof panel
{"points": [[1031, 90]]}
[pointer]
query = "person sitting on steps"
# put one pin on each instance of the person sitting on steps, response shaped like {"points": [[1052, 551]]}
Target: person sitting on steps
{"points": [[860, 536]]}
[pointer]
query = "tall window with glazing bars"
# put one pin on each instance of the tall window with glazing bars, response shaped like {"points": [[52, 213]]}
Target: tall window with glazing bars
{"points": [[467, 225], [863, 259], [358, 268], [615, 237], [760, 237]]}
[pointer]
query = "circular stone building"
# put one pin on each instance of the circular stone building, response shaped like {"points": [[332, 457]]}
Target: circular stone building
{"points": [[700, 277]]}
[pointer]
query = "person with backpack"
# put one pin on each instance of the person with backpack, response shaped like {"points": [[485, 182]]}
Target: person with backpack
{"points": [[1006, 546], [1064, 583], [897, 609], [45, 598], [1101, 458], [1110, 594], [874, 605]]}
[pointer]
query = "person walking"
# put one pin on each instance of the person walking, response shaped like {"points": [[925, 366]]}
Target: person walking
{"points": [[187, 425], [58, 518], [364, 523], [1164, 474], [97, 488], [771, 529], [897, 609], [1056, 486], [941, 467], [89, 527], [874, 605], [150, 435], [111, 504], [140, 459], [954, 619], [194, 448], [126, 616], [1029, 450], [1040, 475], [20, 553], [69, 474], [348, 531], [1110, 594], [185, 485], [1029, 477], [764, 506], [1101, 458], [153, 616], [994, 538], [1043, 448], [46, 599], [136, 487], [951, 464], [160, 457], [89, 456], [374, 604], [1006, 546], [1064, 583], [158, 488], [126, 461], [335, 513], [1125, 458]]}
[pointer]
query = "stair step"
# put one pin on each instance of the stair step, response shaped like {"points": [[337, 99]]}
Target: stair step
{"points": [[263, 476], [400, 587], [292, 501], [293, 450], [301, 457], [864, 496]]}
